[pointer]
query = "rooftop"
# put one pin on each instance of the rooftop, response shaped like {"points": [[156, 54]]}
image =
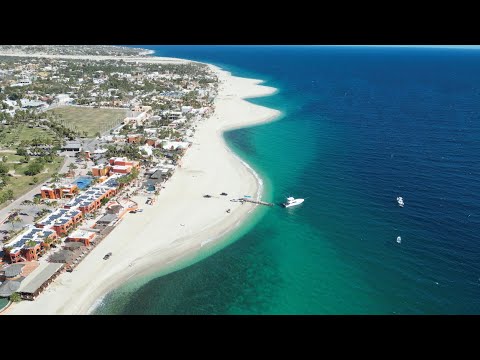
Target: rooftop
{"points": [[30, 234], [39, 276], [81, 234], [59, 217]]}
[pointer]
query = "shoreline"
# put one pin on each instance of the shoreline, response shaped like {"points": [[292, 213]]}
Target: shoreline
{"points": [[182, 224]]}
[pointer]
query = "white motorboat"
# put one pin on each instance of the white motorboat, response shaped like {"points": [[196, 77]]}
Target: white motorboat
{"points": [[399, 239], [400, 201], [292, 202]]}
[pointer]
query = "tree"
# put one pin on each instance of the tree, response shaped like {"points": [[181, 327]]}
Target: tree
{"points": [[55, 177], [34, 168], [14, 220], [15, 297], [3, 169], [35, 179], [9, 194], [4, 158]]}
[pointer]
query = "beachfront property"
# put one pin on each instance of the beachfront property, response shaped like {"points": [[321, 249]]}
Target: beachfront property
{"points": [[174, 145], [39, 279], [121, 206], [81, 236], [28, 245], [61, 220], [91, 200], [58, 191], [121, 165]]}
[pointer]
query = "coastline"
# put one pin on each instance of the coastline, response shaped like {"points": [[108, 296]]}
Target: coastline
{"points": [[182, 223]]}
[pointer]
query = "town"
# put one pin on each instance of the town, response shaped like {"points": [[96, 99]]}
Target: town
{"points": [[78, 139]]}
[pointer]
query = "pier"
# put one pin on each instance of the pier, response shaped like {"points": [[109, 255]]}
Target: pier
{"points": [[259, 202]]}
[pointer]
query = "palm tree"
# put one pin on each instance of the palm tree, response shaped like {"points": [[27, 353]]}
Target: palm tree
{"points": [[55, 177], [14, 220], [36, 202]]}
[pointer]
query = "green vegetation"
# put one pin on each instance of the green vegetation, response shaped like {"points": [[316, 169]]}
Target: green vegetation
{"points": [[15, 297], [34, 168], [90, 120], [128, 178], [11, 135], [22, 183]]}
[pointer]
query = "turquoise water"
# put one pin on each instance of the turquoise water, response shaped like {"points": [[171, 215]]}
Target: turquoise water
{"points": [[361, 126], [3, 302], [83, 182]]}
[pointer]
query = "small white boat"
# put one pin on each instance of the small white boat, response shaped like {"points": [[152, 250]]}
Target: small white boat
{"points": [[292, 202], [399, 239], [400, 201]]}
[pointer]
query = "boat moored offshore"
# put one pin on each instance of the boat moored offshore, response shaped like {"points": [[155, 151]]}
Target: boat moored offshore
{"points": [[292, 202]]}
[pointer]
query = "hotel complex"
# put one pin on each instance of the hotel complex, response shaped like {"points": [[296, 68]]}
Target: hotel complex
{"points": [[36, 239]]}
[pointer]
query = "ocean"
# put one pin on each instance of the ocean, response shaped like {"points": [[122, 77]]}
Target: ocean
{"points": [[360, 126]]}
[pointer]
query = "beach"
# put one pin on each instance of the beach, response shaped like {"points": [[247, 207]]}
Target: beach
{"points": [[182, 220]]}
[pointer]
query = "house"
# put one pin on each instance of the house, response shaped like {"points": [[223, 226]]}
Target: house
{"points": [[29, 244], [174, 145], [151, 141], [147, 148], [134, 138], [63, 99], [61, 220]]}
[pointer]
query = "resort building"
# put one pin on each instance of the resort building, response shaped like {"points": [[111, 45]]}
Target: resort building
{"points": [[91, 199], [82, 236], [61, 220], [29, 244], [122, 165], [58, 191], [101, 170]]}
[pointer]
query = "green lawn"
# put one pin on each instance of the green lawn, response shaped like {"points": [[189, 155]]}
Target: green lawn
{"points": [[23, 184], [14, 135], [90, 120]]}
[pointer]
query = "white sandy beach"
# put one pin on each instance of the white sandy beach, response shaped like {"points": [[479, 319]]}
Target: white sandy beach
{"points": [[154, 239]]}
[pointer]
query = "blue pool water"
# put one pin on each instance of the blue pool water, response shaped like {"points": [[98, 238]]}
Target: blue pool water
{"points": [[83, 182]]}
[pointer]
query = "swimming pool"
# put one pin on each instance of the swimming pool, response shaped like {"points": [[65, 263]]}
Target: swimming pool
{"points": [[83, 182], [151, 188], [3, 303]]}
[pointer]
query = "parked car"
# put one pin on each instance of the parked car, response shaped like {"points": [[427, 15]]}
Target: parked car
{"points": [[107, 256]]}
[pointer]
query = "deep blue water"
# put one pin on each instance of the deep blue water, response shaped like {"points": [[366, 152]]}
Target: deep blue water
{"points": [[361, 126]]}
